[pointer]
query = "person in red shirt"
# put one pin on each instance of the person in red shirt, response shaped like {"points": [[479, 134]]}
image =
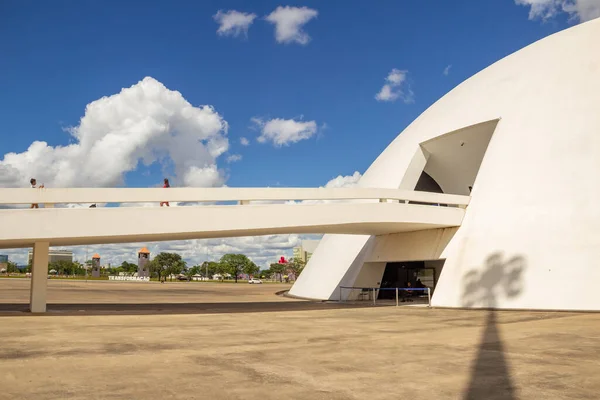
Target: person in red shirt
{"points": [[165, 185]]}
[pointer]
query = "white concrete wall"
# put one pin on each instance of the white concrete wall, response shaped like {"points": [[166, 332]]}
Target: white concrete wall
{"points": [[369, 277], [437, 265], [340, 261], [310, 245], [530, 237], [370, 274], [411, 246]]}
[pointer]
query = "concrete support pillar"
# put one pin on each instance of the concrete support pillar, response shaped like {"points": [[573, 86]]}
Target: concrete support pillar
{"points": [[39, 277]]}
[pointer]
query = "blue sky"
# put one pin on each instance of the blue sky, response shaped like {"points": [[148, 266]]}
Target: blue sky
{"points": [[56, 57]]}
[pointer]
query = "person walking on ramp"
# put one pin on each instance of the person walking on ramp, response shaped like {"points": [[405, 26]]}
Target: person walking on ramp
{"points": [[33, 183], [165, 185]]}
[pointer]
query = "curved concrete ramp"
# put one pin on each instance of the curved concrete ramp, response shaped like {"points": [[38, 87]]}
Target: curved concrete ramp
{"points": [[67, 226]]}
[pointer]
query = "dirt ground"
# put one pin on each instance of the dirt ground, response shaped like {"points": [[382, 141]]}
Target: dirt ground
{"points": [[222, 341], [151, 297]]}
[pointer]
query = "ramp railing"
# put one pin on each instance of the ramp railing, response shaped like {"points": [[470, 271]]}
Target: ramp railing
{"points": [[240, 196], [402, 294]]}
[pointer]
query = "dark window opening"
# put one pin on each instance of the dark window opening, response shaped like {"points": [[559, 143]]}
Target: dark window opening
{"points": [[400, 274], [427, 184]]}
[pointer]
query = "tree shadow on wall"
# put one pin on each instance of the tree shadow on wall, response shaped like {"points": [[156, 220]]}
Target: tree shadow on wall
{"points": [[490, 372]]}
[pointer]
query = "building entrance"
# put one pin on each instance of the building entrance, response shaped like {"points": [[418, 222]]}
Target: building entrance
{"points": [[400, 274]]}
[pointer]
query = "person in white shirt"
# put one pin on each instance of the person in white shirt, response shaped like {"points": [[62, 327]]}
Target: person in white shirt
{"points": [[33, 186]]}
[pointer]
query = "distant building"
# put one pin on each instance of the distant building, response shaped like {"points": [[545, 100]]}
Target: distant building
{"points": [[54, 255], [96, 266], [143, 259], [305, 250]]}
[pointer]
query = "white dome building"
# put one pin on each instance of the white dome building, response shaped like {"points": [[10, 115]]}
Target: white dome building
{"points": [[525, 134]]}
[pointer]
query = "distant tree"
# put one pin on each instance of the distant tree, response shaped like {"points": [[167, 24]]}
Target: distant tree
{"points": [[115, 270], [296, 265], [177, 268], [234, 264], [78, 268], [195, 270], [156, 269], [64, 267], [128, 267], [251, 269], [11, 267], [165, 264], [265, 273], [277, 269], [211, 266]]}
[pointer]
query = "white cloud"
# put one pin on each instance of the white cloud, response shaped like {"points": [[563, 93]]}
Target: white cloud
{"points": [[583, 10], [447, 70], [205, 176], [396, 87], [244, 141], [344, 181], [283, 132], [289, 22], [145, 123], [578, 10], [233, 158], [340, 181], [233, 23]]}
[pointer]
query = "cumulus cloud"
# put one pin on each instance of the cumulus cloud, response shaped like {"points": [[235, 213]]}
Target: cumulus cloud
{"points": [[143, 124], [340, 181], [577, 10], [233, 23], [396, 87], [344, 181], [289, 23], [244, 141], [234, 158], [447, 70], [283, 132]]}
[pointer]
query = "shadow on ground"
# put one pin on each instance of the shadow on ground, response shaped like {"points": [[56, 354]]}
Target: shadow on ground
{"points": [[490, 376], [178, 308]]}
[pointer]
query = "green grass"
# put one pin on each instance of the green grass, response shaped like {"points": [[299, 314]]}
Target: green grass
{"points": [[70, 278], [105, 278], [239, 281]]}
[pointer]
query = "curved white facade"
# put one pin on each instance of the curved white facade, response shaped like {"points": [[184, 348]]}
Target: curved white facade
{"points": [[531, 234]]}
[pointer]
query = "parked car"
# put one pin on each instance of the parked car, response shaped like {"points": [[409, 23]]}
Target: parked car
{"points": [[254, 280], [182, 278]]}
